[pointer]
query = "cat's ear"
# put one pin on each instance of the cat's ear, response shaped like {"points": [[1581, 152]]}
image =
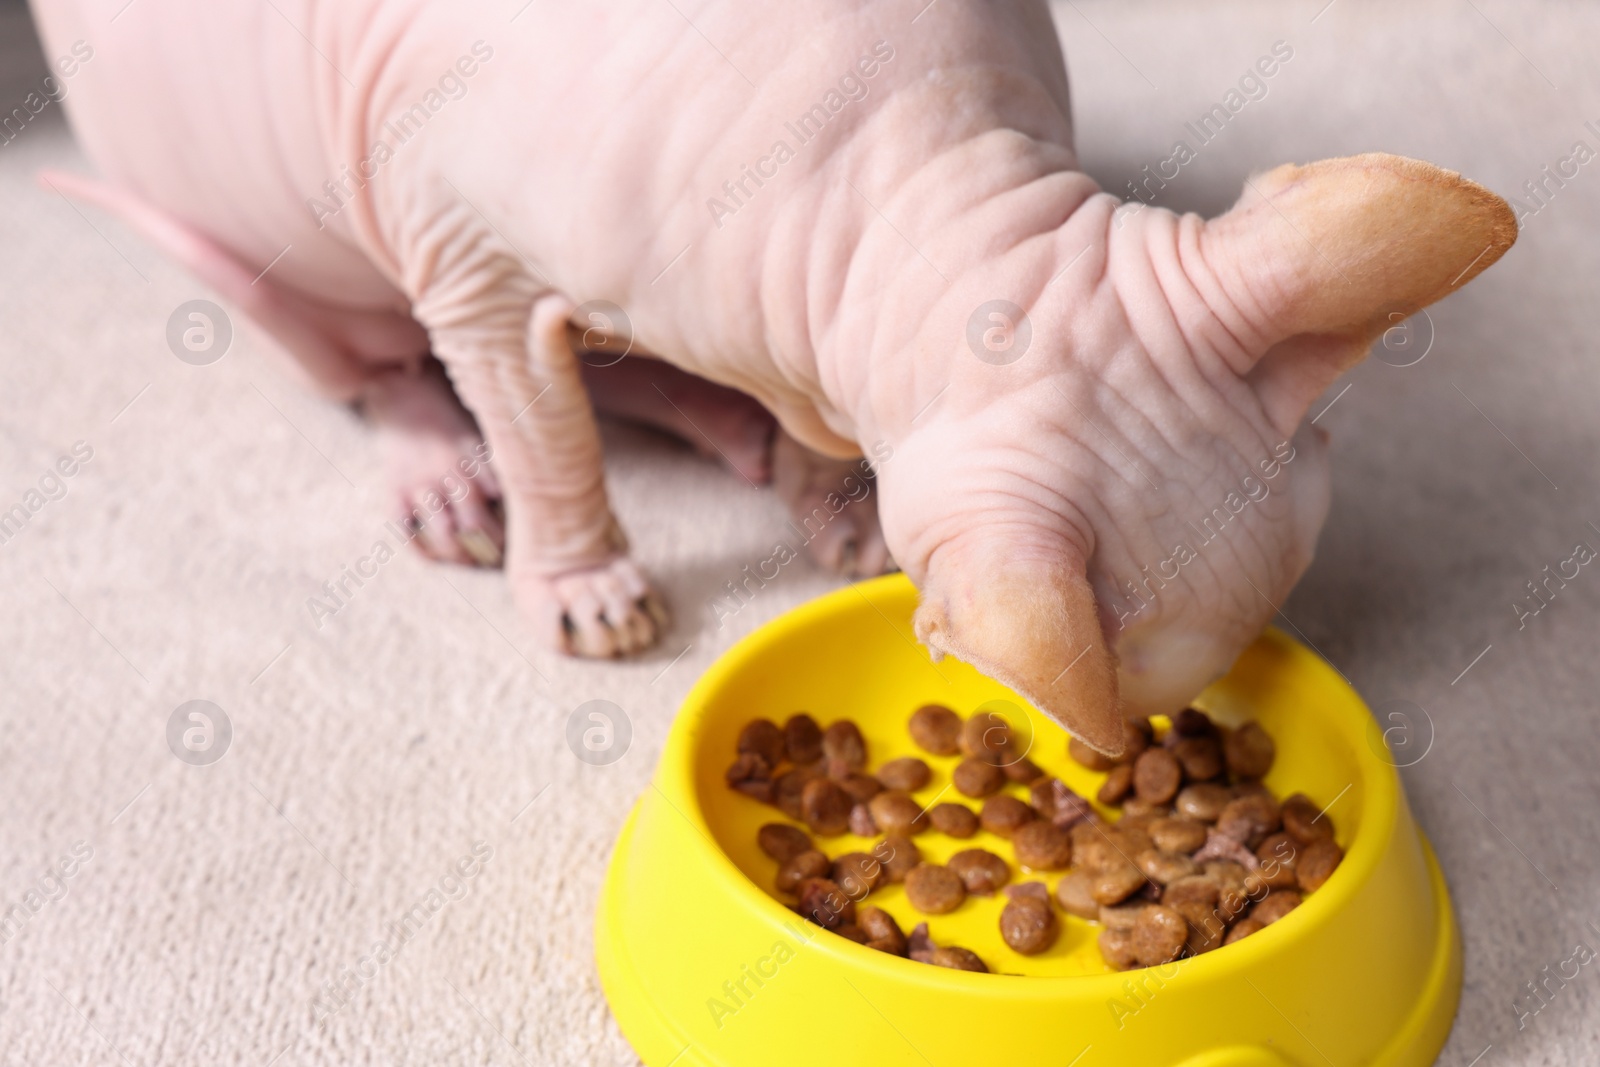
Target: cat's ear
{"points": [[1030, 623], [1321, 259]]}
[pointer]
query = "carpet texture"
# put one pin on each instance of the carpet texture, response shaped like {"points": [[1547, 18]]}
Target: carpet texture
{"points": [[418, 727]]}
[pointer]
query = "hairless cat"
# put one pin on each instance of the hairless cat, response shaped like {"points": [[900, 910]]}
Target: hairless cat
{"points": [[1084, 416]]}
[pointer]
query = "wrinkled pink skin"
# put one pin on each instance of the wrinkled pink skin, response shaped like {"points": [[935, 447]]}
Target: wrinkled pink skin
{"points": [[838, 295]]}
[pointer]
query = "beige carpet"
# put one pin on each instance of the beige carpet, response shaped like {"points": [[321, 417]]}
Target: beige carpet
{"points": [[371, 755]]}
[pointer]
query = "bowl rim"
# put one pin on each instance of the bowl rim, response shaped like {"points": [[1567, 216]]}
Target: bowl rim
{"points": [[675, 777]]}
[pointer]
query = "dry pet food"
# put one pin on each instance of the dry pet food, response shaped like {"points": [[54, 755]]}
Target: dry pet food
{"points": [[935, 890], [977, 778], [796, 869], [953, 820], [843, 742], [1043, 846], [883, 933], [1202, 855], [825, 807], [1004, 814], [898, 814], [802, 739], [936, 729], [981, 871], [1029, 925], [782, 842], [899, 856], [959, 959], [907, 774]]}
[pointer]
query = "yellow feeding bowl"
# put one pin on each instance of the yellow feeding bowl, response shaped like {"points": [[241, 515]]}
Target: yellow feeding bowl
{"points": [[703, 966]]}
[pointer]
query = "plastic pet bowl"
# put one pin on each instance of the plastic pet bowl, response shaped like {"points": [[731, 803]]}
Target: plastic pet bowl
{"points": [[704, 967]]}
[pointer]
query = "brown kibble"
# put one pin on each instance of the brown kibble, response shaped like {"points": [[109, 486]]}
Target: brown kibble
{"points": [[825, 807], [1022, 771], [1248, 820], [802, 739], [1028, 925], [958, 959], [1099, 847], [1203, 802], [1201, 758], [861, 821], [986, 736], [1206, 931], [1220, 846], [760, 789], [799, 867], [843, 741], [1195, 889], [934, 890], [1054, 801], [956, 820], [1251, 788], [1164, 867], [1043, 846], [1037, 890], [919, 946], [1278, 855], [1139, 820], [748, 767], [882, 931], [788, 787], [762, 737], [1116, 948], [861, 787], [824, 903], [1250, 751], [975, 778], [1145, 811], [936, 729], [1304, 821], [782, 842], [1226, 873], [1074, 895], [1275, 906], [895, 813], [1004, 815], [1088, 757], [980, 871], [1157, 775], [858, 874], [1233, 903], [1178, 835], [1159, 935], [851, 932], [1121, 916], [1117, 882], [1192, 722], [1117, 786], [1317, 863], [1137, 735], [907, 774], [1243, 929], [899, 856]]}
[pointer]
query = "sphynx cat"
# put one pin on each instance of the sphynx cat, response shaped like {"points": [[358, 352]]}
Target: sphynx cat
{"points": [[1085, 417]]}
